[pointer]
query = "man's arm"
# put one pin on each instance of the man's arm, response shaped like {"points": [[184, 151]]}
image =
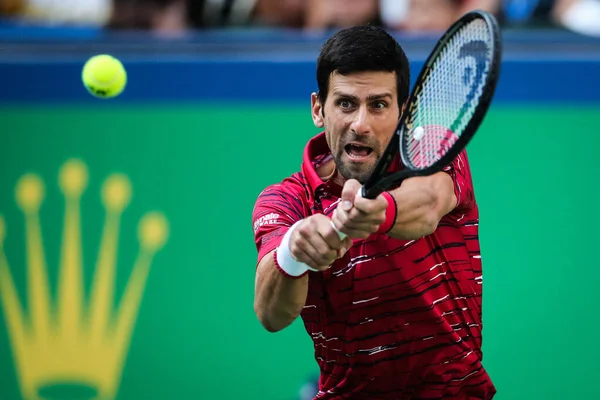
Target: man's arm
{"points": [[288, 244], [415, 211], [417, 206], [278, 299], [421, 203]]}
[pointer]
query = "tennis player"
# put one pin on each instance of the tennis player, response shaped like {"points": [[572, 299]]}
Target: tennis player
{"points": [[394, 310]]}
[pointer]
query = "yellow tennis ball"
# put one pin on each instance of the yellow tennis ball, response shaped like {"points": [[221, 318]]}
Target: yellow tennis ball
{"points": [[104, 76]]}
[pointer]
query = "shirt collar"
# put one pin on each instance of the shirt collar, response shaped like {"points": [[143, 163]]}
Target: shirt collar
{"points": [[316, 151]]}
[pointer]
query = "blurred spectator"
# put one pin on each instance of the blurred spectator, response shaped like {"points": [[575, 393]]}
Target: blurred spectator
{"points": [[10, 7], [284, 13], [177, 16], [419, 15], [341, 13], [429, 15], [174, 17], [228, 13], [528, 13], [59, 12], [581, 16], [309, 14], [160, 16]]}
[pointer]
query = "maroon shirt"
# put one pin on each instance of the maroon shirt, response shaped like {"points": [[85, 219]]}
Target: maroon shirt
{"points": [[392, 319]]}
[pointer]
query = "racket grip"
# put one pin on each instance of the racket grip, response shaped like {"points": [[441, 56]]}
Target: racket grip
{"points": [[371, 193]]}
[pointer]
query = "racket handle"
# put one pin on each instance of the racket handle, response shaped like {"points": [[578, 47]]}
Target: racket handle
{"points": [[371, 193]]}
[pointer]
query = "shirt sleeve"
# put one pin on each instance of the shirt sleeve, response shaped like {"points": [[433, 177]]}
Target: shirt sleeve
{"points": [[460, 172], [276, 209]]}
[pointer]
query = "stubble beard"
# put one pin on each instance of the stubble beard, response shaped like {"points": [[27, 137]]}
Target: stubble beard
{"points": [[361, 175]]}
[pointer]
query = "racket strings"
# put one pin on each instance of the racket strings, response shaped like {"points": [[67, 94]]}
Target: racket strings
{"points": [[448, 97]]}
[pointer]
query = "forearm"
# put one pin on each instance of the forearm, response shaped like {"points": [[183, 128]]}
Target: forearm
{"points": [[421, 203], [415, 216], [278, 299]]}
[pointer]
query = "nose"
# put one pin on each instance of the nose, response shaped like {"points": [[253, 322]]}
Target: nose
{"points": [[361, 123]]}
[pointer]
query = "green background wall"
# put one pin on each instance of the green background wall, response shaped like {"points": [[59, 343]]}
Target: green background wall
{"points": [[197, 337]]}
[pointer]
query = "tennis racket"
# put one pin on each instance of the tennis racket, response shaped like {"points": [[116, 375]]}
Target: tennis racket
{"points": [[447, 104]]}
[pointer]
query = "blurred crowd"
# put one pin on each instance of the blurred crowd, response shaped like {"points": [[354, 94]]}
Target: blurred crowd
{"points": [[172, 17]]}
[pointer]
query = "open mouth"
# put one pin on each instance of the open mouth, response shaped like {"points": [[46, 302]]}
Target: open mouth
{"points": [[357, 151]]}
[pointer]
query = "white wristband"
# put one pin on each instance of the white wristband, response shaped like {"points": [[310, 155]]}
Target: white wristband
{"points": [[285, 260]]}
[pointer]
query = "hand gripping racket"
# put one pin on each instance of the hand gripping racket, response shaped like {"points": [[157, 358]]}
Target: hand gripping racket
{"points": [[448, 103]]}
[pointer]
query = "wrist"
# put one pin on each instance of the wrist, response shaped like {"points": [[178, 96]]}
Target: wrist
{"points": [[285, 261], [391, 213]]}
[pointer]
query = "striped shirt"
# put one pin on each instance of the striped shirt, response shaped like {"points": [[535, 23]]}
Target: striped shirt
{"points": [[392, 319]]}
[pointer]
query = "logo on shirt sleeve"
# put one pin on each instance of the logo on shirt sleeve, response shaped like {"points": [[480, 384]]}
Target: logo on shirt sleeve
{"points": [[269, 219]]}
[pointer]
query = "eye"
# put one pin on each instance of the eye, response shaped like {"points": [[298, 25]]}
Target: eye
{"points": [[345, 104], [379, 105]]}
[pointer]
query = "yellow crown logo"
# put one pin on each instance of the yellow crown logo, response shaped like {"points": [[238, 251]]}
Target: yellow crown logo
{"points": [[71, 340]]}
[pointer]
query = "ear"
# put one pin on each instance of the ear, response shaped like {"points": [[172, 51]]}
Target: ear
{"points": [[403, 108], [316, 110]]}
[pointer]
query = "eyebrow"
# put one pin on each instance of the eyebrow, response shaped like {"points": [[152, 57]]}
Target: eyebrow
{"points": [[371, 97]]}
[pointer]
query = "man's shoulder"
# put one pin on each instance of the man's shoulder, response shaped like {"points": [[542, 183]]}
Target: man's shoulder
{"points": [[282, 203], [294, 187]]}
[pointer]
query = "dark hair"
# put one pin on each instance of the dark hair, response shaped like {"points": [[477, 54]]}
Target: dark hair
{"points": [[360, 49]]}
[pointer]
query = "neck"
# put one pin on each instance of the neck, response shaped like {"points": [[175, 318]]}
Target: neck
{"points": [[327, 171], [338, 179]]}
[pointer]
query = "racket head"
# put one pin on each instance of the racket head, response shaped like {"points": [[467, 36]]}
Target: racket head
{"points": [[451, 95], [463, 102]]}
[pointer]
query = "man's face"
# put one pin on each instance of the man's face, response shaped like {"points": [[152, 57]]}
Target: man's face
{"points": [[359, 117]]}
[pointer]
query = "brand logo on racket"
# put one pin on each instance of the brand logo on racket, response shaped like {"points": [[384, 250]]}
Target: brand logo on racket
{"points": [[478, 50]]}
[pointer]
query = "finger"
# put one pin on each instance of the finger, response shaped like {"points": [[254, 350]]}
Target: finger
{"points": [[317, 248], [349, 192], [361, 231], [339, 218], [369, 206], [346, 246], [311, 241], [367, 227], [356, 215], [304, 252], [330, 236], [356, 220], [313, 237], [297, 250]]}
